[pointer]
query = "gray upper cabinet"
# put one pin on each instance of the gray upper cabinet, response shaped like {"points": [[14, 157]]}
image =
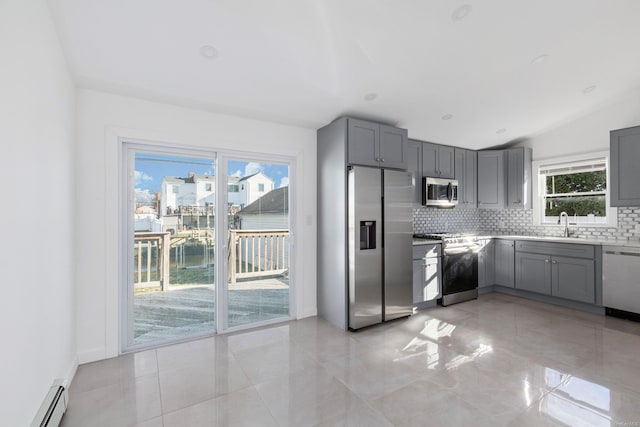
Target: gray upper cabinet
{"points": [[437, 160], [466, 173], [518, 178], [373, 144], [504, 263], [414, 165], [625, 173], [491, 193]]}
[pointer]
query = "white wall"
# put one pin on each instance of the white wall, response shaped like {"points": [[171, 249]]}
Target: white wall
{"points": [[102, 119], [37, 308], [588, 133]]}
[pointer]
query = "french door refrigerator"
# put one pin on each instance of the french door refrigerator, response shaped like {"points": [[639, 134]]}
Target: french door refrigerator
{"points": [[380, 231]]}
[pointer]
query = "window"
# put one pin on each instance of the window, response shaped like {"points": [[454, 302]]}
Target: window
{"points": [[175, 189], [577, 186], [233, 188], [207, 187], [261, 187]]}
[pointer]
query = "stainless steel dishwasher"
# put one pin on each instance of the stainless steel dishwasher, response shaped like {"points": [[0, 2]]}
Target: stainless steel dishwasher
{"points": [[621, 281]]}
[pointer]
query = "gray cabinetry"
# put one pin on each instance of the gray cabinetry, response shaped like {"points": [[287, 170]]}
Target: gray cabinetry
{"points": [[373, 144], [518, 178], [625, 173], [414, 165], [504, 263], [533, 272], [561, 270], [427, 274], [466, 173], [573, 278], [486, 262], [437, 160], [491, 180]]}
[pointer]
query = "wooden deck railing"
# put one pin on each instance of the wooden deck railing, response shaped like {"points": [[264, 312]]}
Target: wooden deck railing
{"points": [[254, 253], [159, 242]]}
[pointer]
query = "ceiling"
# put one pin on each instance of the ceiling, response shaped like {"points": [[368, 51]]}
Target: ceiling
{"points": [[460, 73]]}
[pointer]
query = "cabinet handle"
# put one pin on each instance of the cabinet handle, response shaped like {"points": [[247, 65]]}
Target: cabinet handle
{"points": [[547, 261], [554, 262], [382, 159], [377, 159]]}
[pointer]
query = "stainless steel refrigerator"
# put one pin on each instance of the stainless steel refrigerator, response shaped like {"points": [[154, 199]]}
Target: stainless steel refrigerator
{"points": [[380, 231]]}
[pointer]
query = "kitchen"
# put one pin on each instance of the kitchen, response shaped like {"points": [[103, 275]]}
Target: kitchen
{"points": [[475, 77]]}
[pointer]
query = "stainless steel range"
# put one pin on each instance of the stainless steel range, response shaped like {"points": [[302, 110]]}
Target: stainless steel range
{"points": [[459, 266]]}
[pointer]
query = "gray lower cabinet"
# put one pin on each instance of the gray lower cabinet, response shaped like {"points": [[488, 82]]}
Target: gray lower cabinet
{"points": [[427, 273], [466, 173], [486, 262], [437, 160], [573, 278], [533, 272], [491, 180], [504, 262], [373, 144], [414, 166], [625, 174], [548, 270]]}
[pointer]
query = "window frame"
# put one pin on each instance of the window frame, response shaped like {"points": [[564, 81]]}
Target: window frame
{"points": [[539, 188]]}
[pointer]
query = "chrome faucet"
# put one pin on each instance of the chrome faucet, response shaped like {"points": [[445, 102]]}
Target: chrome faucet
{"points": [[566, 223]]}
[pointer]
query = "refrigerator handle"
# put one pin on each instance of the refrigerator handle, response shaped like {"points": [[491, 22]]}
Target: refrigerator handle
{"points": [[367, 235]]}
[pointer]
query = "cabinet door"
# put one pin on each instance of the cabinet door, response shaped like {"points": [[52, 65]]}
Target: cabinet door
{"points": [[625, 174], [418, 280], [446, 164], [573, 278], [486, 264], [393, 147], [504, 263], [515, 178], [364, 142], [466, 171], [491, 179], [533, 272], [430, 160], [415, 167], [471, 179]]}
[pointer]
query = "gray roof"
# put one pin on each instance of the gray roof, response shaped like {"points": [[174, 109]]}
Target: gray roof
{"points": [[275, 201]]}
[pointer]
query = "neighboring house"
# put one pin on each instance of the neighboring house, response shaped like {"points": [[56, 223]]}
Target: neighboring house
{"points": [[270, 212], [195, 190], [249, 189]]}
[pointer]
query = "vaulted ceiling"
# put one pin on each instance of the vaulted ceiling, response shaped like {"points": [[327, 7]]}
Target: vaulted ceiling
{"points": [[474, 74]]}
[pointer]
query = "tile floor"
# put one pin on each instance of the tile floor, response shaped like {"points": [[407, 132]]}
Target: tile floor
{"points": [[500, 360]]}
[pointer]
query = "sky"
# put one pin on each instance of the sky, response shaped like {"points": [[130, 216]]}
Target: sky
{"points": [[151, 168]]}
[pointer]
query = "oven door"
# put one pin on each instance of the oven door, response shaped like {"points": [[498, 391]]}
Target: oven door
{"points": [[459, 270]]}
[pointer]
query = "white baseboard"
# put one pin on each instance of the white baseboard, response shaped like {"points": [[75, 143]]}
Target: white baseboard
{"points": [[309, 312]]}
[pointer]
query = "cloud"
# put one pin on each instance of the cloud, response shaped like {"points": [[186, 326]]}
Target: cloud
{"points": [[144, 196], [252, 167], [284, 182], [237, 173], [141, 176]]}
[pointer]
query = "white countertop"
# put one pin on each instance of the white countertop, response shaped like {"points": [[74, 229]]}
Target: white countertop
{"points": [[551, 239], [426, 242]]}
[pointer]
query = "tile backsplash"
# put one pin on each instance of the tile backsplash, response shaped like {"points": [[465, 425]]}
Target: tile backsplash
{"points": [[519, 222]]}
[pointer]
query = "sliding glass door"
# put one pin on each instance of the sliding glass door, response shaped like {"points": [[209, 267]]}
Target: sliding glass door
{"points": [[258, 242], [176, 264]]}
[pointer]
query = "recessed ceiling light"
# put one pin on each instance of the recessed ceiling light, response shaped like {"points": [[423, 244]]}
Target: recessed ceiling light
{"points": [[589, 89], [539, 59], [370, 96], [460, 13], [447, 117], [501, 130], [209, 52]]}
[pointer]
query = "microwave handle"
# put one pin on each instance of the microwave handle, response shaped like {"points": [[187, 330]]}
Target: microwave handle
{"points": [[450, 192]]}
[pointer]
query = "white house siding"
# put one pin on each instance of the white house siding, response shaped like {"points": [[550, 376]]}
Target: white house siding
{"points": [[249, 188], [264, 222]]}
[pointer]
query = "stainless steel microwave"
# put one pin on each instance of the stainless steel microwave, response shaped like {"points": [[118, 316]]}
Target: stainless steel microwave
{"points": [[439, 192]]}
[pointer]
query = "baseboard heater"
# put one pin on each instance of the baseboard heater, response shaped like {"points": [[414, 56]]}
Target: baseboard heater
{"points": [[54, 405]]}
